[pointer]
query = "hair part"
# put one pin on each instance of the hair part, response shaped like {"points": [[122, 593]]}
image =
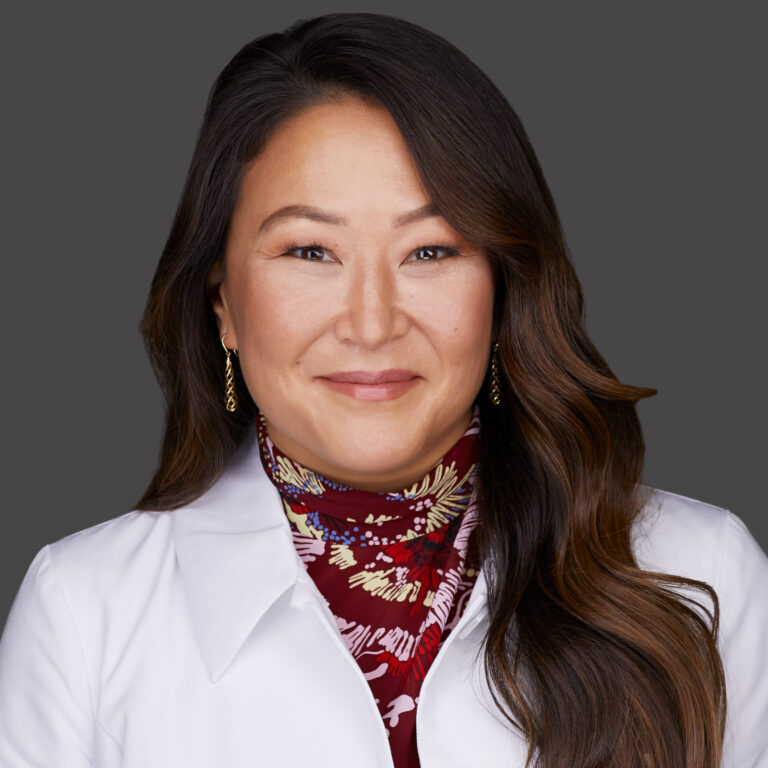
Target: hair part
{"points": [[596, 661]]}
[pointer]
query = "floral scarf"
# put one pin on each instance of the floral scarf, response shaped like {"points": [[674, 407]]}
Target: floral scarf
{"points": [[396, 568]]}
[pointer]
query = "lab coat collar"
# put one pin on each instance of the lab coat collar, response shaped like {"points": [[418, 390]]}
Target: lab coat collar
{"points": [[236, 557]]}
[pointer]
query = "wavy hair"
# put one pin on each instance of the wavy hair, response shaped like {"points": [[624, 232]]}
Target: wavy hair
{"points": [[595, 660]]}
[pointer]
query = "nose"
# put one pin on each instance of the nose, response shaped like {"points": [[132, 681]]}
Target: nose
{"points": [[371, 314]]}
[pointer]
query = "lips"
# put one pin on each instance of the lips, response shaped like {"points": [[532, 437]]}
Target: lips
{"points": [[371, 377], [372, 385]]}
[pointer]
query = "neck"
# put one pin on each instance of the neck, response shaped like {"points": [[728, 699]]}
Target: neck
{"points": [[393, 479]]}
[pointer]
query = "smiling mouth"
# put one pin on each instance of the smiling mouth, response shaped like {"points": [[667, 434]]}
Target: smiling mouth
{"points": [[372, 385], [371, 377]]}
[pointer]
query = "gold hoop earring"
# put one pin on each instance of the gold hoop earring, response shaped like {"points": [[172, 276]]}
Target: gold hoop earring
{"points": [[495, 378], [230, 396]]}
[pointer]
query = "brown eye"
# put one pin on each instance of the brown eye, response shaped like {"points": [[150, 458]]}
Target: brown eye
{"points": [[433, 252], [312, 252]]}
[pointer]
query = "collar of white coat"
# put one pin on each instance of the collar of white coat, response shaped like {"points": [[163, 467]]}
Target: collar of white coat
{"points": [[236, 558]]}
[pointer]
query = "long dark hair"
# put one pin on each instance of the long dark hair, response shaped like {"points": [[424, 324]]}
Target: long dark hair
{"points": [[597, 661]]}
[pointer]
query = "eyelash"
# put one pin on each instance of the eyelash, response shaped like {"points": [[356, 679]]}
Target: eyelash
{"points": [[450, 250]]}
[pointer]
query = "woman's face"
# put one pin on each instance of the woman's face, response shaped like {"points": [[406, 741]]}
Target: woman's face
{"points": [[362, 320]]}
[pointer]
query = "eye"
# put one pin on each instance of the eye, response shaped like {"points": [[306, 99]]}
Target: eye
{"points": [[317, 252], [311, 252], [432, 253]]}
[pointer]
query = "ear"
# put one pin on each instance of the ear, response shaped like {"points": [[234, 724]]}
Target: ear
{"points": [[216, 286]]}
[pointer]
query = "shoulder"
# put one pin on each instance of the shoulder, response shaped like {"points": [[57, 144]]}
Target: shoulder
{"points": [[72, 591], [109, 552], [676, 532], [97, 577], [682, 536], [679, 535], [685, 537], [114, 568]]}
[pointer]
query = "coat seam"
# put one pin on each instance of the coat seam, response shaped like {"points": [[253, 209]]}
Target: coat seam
{"points": [[81, 644]]}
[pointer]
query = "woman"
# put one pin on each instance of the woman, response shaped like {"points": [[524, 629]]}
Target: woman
{"points": [[397, 518]]}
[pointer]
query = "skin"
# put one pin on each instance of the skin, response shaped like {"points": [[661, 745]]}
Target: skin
{"points": [[373, 297]]}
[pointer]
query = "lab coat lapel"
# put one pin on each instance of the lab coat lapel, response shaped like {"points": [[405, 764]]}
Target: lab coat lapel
{"points": [[235, 556]]}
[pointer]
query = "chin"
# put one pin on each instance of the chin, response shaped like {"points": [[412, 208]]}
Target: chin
{"points": [[374, 457], [379, 434]]}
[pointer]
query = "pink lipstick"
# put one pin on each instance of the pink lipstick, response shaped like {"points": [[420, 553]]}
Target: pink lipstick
{"points": [[372, 385]]}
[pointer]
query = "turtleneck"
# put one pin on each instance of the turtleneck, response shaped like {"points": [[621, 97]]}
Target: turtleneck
{"points": [[396, 568]]}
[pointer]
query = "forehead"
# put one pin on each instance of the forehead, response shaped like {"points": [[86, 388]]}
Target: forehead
{"points": [[348, 153]]}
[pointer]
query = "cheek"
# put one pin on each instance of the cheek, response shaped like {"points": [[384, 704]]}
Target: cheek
{"points": [[468, 323], [274, 323], [460, 313]]}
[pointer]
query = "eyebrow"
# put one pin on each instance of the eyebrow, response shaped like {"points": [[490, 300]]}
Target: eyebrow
{"points": [[318, 214]]}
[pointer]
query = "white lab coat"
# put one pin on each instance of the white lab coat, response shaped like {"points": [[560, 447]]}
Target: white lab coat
{"points": [[195, 638]]}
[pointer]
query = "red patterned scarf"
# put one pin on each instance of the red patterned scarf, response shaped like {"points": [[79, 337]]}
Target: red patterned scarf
{"points": [[396, 568]]}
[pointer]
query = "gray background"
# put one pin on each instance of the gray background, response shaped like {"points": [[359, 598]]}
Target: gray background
{"points": [[649, 121]]}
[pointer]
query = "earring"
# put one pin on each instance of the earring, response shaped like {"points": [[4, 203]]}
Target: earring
{"points": [[495, 378], [230, 396]]}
